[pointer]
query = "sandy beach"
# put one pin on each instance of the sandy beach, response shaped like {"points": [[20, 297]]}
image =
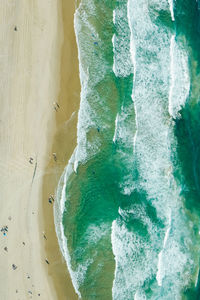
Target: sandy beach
{"points": [[39, 67]]}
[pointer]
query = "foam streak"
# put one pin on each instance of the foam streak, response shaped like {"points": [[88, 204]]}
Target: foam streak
{"points": [[172, 79], [171, 9]]}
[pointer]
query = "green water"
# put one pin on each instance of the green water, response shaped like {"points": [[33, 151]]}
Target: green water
{"points": [[132, 210]]}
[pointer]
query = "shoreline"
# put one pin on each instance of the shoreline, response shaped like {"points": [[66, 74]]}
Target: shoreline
{"points": [[64, 142]]}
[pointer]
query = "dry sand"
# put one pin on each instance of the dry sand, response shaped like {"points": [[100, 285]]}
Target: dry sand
{"points": [[38, 63]]}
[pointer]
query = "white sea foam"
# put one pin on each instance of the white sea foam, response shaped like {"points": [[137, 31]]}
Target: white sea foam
{"points": [[84, 150], [159, 275], [114, 60], [151, 99], [124, 126], [94, 233], [114, 16], [197, 277], [122, 64], [89, 77], [59, 208], [139, 295], [179, 78], [149, 51], [171, 9], [133, 58], [116, 124], [172, 42], [75, 166], [132, 268], [150, 78], [125, 122], [173, 262], [127, 185], [77, 275], [153, 55], [123, 135], [167, 232], [136, 121]]}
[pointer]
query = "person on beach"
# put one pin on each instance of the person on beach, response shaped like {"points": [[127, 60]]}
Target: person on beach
{"points": [[54, 156], [44, 236], [14, 266], [56, 105], [31, 160], [4, 230]]}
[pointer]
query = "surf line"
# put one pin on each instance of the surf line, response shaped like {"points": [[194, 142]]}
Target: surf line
{"points": [[160, 275], [172, 79], [171, 9], [116, 123], [133, 58]]}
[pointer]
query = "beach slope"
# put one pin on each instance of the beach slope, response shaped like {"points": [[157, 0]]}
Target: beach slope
{"points": [[31, 40]]}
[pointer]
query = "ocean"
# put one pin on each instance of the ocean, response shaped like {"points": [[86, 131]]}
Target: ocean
{"points": [[127, 212]]}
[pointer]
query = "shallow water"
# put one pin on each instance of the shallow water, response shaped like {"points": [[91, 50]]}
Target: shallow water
{"points": [[128, 207]]}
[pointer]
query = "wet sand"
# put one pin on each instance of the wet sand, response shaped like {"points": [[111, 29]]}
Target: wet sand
{"points": [[63, 145]]}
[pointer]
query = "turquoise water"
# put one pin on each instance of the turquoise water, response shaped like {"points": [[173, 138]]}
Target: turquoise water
{"points": [[128, 206]]}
